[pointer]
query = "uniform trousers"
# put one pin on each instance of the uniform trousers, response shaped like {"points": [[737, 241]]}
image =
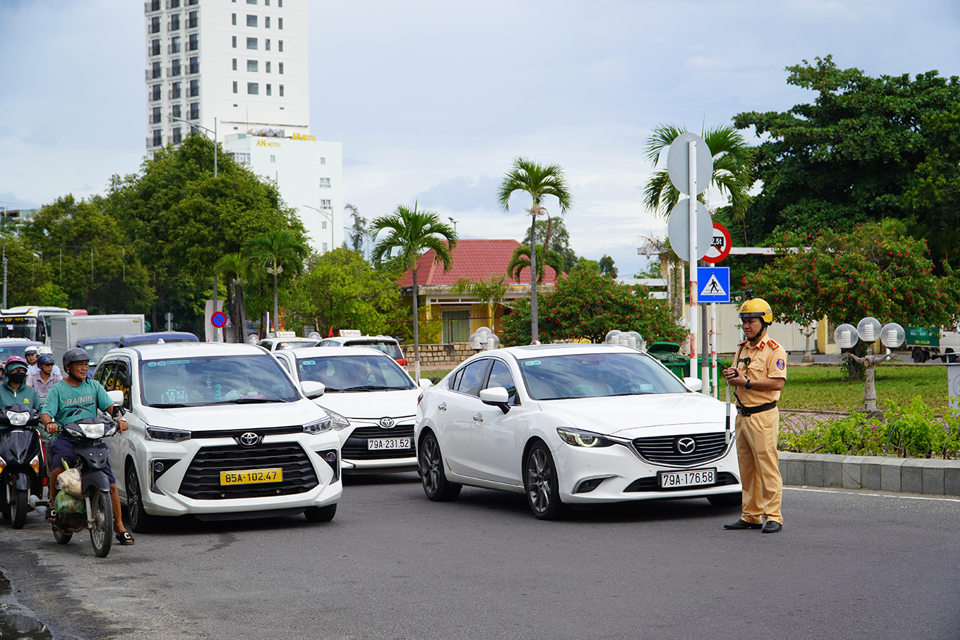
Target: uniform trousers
{"points": [[760, 466]]}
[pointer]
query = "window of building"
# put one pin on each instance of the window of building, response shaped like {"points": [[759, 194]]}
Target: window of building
{"points": [[234, 87], [154, 5], [252, 43], [194, 64], [280, 46], [455, 327], [323, 224], [155, 25], [266, 22], [280, 3], [190, 3], [175, 91], [192, 20], [253, 88], [323, 160], [266, 3], [233, 19], [194, 89], [175, 68], [155, 48], [268, 67], [325, 183], [325, 204], [279, 23], [251, 1], [155, 70], [177, 136], [269, 90], [194, 42], [267, 44], [194, 110], [234, 64], [234, 42], [175, 22], [324, 245], [280, 68], [251, 21], [281, 93], [157, 138], [174, 4], [252, 65], [176, 111], [241, 157], [156, 117], [174, 44], [273, 158]]}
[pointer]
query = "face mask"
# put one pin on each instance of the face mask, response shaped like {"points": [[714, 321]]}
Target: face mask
{"points": [[17, 376]]}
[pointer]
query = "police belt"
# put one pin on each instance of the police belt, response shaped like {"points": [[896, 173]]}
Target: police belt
{"points": [[760, 408]]}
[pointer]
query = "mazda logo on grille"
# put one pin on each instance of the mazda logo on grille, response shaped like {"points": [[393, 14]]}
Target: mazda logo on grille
{"points": [[249, 439], [387, 423], [686, 446]]}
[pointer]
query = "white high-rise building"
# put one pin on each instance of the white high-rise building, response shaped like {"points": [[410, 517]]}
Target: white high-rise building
{"points": [[240, 69]]}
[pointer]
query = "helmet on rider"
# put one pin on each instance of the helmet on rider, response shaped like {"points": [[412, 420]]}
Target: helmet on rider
{"points": [[13, 362], [44, 359], [45, 351], [75, 355]]}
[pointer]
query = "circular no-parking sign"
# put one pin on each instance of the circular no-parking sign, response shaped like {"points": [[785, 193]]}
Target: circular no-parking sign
{"points": [[720, 245], [218, 319]]}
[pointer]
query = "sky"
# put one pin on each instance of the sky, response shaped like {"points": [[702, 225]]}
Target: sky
{"points": [[433, 99]]}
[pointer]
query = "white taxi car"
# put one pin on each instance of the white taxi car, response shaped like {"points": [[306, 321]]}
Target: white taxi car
{"points": [[372, 400], [218, 431], [574, 425]]}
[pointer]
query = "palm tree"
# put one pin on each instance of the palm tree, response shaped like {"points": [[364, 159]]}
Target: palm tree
{"points": [[413, 232], [521, 261], [279, 251], [234, 269], [539, 181], [732, 168]]}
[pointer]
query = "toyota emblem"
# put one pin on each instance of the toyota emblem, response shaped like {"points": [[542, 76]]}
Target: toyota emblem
{"points": [[249, 439], [686, 446], [387, 423]]}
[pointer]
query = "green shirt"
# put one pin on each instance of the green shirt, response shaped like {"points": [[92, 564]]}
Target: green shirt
{"points": [[66, 403], [27, 396]]}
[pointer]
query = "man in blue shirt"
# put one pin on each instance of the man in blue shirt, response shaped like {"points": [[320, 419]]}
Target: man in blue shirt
{"points": [[72, 399]]}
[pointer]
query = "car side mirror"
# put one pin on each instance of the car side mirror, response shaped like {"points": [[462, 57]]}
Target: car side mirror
{"points": [[425, 383], [497, 397], [312, 389], [693, 384]]}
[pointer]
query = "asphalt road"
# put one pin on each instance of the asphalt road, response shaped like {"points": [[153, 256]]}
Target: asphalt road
{"points": [[394, 565]]}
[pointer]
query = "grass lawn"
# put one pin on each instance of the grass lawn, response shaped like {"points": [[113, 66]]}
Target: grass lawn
{"points": [[825, 388]]}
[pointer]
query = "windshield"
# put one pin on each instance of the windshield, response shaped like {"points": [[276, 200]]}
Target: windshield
{"points": [[354, 373], [298, 344], [596, 375], [19, 327], [8, 350], [389, 348], [183, 382], [97, 350]]}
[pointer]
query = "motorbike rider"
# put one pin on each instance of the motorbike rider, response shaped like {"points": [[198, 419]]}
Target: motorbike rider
{"points": [[46, 351], [72, 399], [31, 354], [14, 389]]}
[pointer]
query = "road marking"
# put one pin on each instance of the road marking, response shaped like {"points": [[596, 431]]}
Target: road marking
{"points": [[867, 493]]}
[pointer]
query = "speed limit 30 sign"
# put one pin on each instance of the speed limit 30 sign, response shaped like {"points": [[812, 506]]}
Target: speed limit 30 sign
{"points": [[719, 246]]}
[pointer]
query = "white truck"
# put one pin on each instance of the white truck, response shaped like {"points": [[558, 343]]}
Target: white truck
{"points": [[95, 334], [924, 343]]}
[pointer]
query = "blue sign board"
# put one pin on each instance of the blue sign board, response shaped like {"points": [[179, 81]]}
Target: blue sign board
{"points": [[713, 284]]}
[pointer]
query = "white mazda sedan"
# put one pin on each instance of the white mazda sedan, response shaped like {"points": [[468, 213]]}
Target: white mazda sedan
{"points": [[572, 425], [372, 400], [218, 431]]}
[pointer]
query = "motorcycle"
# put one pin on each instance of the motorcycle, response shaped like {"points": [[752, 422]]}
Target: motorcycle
{"points": [[93, 510], [21, 463]]}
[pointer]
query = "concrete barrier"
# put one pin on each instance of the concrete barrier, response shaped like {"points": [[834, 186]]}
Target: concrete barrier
{"points": [[906, 475]]}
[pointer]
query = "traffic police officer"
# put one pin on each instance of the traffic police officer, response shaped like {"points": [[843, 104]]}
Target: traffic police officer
{"points": [[759, 373]]}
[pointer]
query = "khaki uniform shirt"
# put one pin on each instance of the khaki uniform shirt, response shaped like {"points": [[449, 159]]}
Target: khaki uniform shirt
{"points": [[766, 360]]}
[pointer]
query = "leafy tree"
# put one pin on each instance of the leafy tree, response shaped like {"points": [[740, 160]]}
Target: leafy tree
{"points": [[538, 181], [340, 289], [559, 241], [490, 290], [732, 168], [233, 267], [358, 231], [520, 261], [606, 266], [278, 253], [848, 157], [586, 305], [90, 263], [412, 232], [29, 279]]}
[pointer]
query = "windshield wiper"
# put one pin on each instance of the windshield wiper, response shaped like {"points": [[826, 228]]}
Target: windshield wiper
{"points": [[252, 400], [170, 405], [369, 387]]}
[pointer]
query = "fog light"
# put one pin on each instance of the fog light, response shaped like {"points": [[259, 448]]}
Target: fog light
{"points": [[158, 467], [586, 486], [331, 456]]}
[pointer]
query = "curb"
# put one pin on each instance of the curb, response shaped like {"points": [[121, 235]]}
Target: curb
{"points": [[904, 475]]}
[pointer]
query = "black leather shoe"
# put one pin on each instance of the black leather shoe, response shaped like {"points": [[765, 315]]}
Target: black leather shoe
{"points": [[772, 526], [742, 524]]}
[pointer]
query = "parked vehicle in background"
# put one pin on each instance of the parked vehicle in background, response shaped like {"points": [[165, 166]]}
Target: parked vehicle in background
{"points": [[31, 323], [15, 347], [94, 334], [219, 431], [284, 344], [924, 343], [386, 344], [574, 425], [157, 337], [373, 401]]}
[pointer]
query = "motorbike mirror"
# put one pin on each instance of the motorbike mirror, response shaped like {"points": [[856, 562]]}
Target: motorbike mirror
{"points": [[117, 396]]}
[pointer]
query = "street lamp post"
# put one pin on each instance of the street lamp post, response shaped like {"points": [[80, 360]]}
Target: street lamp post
{"points": [[216, 330], [869, 330], [328, 215], [450, 218]]}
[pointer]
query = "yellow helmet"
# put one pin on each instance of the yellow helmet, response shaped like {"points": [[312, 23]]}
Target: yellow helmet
{"points": [[756, 308]]}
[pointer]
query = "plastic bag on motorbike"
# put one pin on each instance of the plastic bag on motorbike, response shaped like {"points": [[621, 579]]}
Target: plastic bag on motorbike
{"points": [[69, 481], [66, 503]]}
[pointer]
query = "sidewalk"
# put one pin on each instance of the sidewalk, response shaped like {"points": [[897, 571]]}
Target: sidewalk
{"points": [[900, 475]]}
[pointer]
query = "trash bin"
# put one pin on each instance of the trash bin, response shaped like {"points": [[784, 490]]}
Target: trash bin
{"points": [[668, 353]]}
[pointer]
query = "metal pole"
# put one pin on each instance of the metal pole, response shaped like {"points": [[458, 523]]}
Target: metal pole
{"points": [[704, 349], [692, 166], [4, 275], [713, 349]]}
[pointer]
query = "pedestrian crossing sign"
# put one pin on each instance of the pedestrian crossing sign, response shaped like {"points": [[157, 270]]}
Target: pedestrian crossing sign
{"points": [[713, 284]]}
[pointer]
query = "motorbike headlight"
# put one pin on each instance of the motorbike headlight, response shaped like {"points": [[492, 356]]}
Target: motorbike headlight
{"points": [[18, 418], [166, 435], [578, 438], [92, 430]]}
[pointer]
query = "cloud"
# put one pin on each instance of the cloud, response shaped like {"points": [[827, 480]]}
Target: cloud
{"points": [[462, 194]]}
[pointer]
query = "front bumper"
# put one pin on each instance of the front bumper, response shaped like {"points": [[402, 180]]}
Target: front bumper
{"points": [[359, 458]]}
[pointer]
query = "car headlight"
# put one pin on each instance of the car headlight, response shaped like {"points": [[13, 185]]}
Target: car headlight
{"points": [[18, 418], [167, 435], [337, 421], [578, 438]]}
